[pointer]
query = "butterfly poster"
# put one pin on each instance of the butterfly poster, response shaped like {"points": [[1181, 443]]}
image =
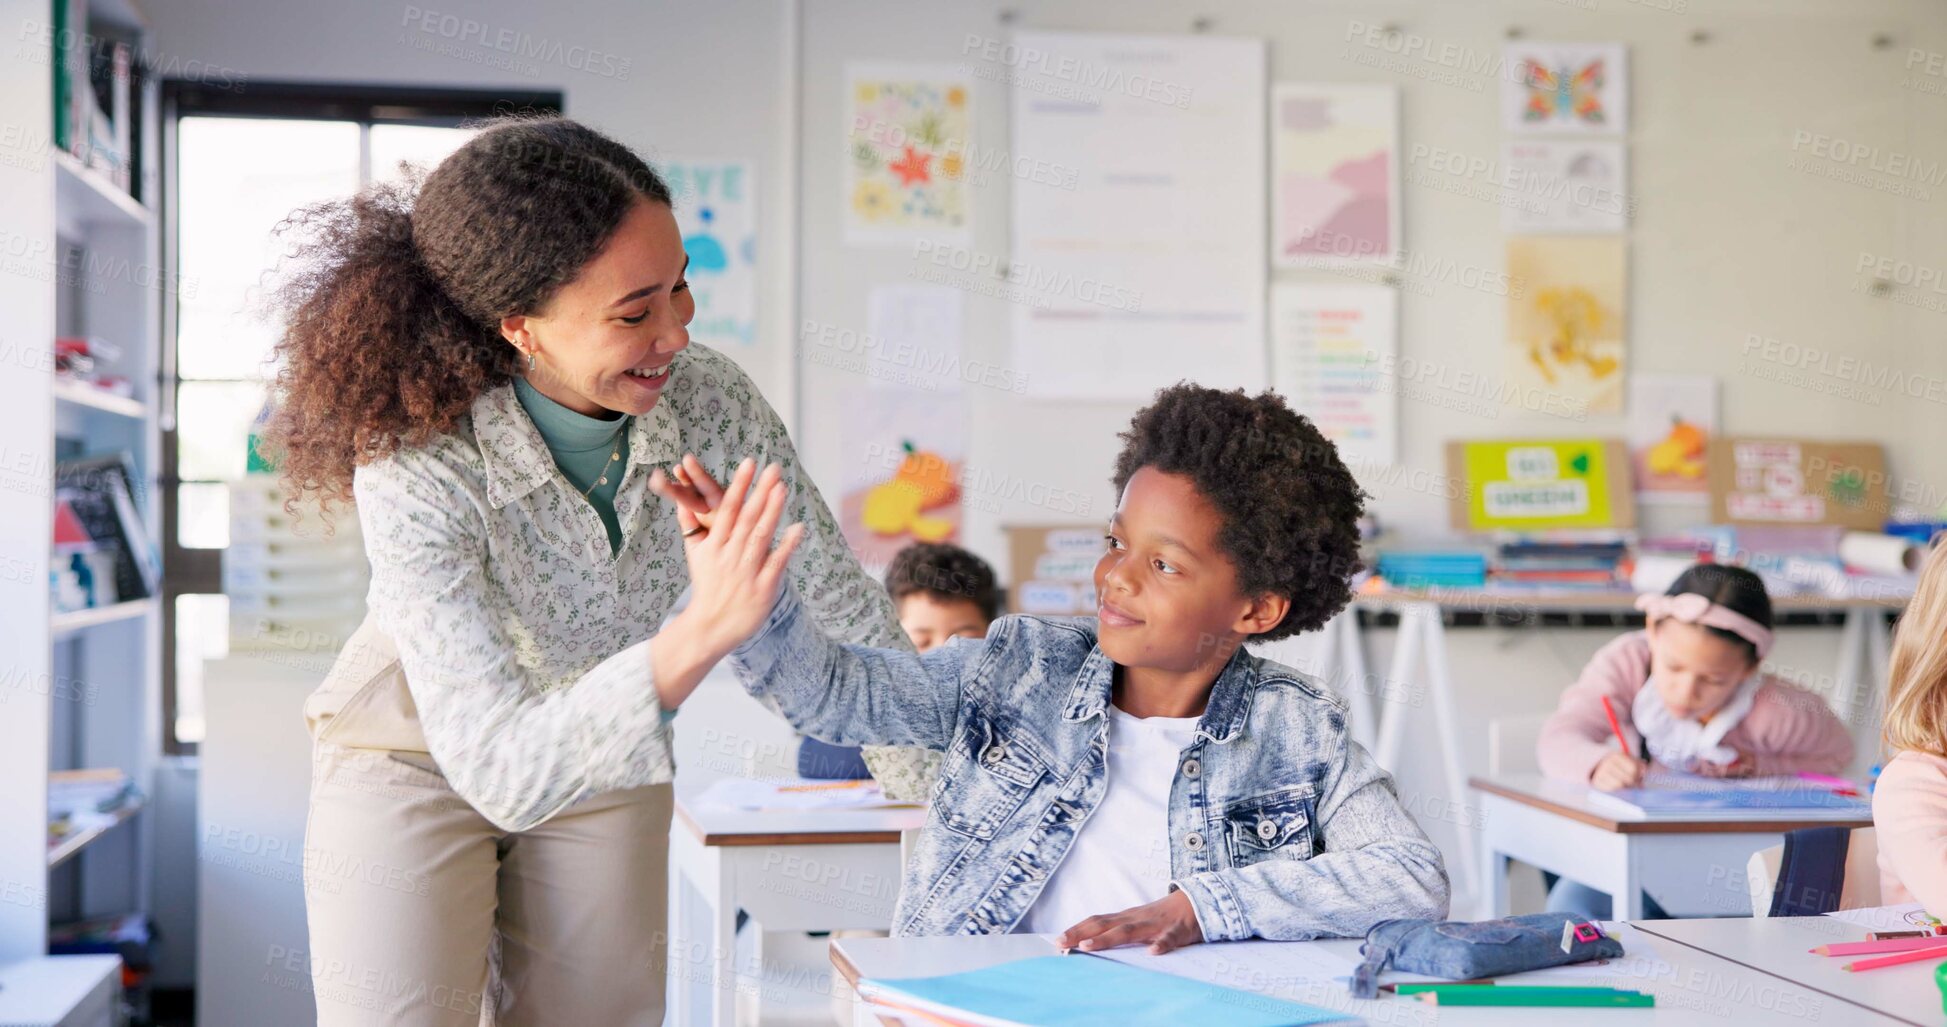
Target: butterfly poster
{"points": [[908, 131], [1565, 88]]}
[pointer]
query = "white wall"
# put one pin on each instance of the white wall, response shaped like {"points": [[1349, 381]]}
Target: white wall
{"points": [[1728, 241]]}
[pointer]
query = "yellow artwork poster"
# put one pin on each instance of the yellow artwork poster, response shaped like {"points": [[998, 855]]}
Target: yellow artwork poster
{"points": [[1567, 322]]}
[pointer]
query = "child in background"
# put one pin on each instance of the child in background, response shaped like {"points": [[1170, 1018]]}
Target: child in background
{"points": [[1142, 765], [1689, 697], [1910, 801], [940, 591]]}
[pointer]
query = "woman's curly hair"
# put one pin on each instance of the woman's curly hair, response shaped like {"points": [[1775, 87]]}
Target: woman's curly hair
{"points": [[1290, 508], [392, 299]]}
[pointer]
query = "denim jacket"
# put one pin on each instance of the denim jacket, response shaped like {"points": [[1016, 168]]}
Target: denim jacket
{"points": [[1280, 825]]}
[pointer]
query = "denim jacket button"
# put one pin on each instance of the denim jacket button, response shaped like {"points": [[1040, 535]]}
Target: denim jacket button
{"points": [[1193, 841], [994, 754], [1192, 768], [1266, 829]]}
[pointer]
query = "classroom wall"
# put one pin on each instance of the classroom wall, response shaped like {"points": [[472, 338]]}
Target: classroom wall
{"points": [[1729, 242]]}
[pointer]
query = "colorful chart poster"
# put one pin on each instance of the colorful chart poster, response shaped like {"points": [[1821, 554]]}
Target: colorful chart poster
{"points": [[1566, 321], [1328, 346], [1539, 484], [1565, 186], [904, 451], [1758, 481], [1565, 88], [1671, 420], [907, 129], [1334, 173], [1154, 263], [716, 210]]}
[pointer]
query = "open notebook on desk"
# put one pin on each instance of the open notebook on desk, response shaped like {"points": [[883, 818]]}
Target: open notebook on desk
{"points": [[1083, 988], [1690, 796]]}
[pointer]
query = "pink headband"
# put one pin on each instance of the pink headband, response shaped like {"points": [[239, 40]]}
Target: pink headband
{"points": [[1692, 608]]}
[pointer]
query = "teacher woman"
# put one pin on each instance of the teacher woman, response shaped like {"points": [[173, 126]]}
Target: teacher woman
{"points": [[497, 370]]}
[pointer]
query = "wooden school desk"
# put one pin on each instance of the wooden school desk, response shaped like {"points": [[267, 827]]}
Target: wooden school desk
{"points": [[1693, 987], [1780, 946], [1695, 865], [822, 870]]}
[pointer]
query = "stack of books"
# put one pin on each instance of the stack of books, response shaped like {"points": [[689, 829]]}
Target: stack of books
{"points": [[1433, 568], [1535, 563]]}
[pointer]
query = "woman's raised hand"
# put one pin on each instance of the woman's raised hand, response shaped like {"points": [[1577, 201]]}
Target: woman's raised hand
{"points": [[690, 486], [735, 572]]}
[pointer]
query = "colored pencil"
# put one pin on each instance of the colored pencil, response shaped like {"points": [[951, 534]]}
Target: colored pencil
{"points": [[1915, 956], [1475, 995], [1615, 725], [1867, 948]]}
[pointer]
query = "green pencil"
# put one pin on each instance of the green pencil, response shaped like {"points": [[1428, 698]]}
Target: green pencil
{"points": [[1470, 995]]}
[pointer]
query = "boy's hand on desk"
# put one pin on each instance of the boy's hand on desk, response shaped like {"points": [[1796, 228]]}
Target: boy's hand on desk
{"points": [[1168, 923], [734, 572], [1618, 771]]}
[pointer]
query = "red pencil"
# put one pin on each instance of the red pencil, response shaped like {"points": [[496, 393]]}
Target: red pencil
{"points": [[1615, 725], [1938, 952]]}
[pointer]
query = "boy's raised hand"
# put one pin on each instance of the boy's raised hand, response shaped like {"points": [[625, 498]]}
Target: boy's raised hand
{"points": [[1168, 923], [734, 571]]}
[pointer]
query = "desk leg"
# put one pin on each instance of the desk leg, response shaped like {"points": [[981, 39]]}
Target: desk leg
{"points": [[1846, 686], [1626, 888], [685, 889], [723, 942], [1406, 659], [1351, 651], [1494, 879], [1878, 659], [1433, 639]]}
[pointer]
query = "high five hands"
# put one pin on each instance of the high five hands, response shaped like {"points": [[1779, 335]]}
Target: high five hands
{"points": [[735, 572]]}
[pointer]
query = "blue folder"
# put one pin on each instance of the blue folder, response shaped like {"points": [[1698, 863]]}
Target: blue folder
{"points": [[1652, 801], [1088, 990]]}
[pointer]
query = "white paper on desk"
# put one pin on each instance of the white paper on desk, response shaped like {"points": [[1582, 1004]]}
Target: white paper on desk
{"points": [[1906, 916], [792, 793]]}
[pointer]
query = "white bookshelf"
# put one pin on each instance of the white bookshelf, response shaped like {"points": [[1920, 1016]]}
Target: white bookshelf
{"points": [[82, 688]]}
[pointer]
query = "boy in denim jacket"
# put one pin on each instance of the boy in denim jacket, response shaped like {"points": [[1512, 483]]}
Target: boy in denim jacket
{"points": [[1133, 778]]}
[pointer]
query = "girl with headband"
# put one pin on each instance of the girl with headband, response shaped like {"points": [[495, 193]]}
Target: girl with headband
{"points": [[1689, 696]]}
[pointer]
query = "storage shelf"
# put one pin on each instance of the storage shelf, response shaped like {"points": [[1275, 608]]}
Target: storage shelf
{"points": [[67, 847], [95, 199], [80, 620], [81, 394]]}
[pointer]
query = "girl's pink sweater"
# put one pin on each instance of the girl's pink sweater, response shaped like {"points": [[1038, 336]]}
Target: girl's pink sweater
{"points": [[1788, 729]]}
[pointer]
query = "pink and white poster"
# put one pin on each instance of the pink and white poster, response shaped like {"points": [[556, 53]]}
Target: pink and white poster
{"points": [[1334, 174]]}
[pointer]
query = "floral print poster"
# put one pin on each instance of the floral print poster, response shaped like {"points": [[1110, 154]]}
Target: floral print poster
{"points": [[906, 150]]}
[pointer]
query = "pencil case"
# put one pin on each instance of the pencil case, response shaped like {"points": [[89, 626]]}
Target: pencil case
{"points": [[1462, 950]]}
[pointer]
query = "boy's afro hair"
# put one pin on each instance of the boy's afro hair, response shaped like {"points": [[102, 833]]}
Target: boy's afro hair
{"points": [[1290, 508]]}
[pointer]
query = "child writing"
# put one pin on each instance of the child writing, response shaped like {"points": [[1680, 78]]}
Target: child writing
{"points": [[1910, 801], [1688, 690], [940, 591], [1688, 696], [1133, 778]]}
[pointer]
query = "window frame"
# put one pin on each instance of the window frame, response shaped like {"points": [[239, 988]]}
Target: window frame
{"points": [[198, 571]]}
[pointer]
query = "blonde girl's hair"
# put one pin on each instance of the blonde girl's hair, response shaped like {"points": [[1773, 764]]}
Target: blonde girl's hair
{"points": [[1916, 698]]}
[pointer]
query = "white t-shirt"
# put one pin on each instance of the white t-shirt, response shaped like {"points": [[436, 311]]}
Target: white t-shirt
{"points": [[1121, 857]]}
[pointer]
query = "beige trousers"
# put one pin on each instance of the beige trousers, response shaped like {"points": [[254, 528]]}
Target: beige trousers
{"points": [[423, 913]]}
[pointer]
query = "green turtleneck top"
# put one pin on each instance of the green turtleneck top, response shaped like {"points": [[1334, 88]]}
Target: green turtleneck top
{"points": [[585, 448]]}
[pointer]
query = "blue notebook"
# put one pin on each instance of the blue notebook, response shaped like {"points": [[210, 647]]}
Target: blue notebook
{"points": [[1087, 990], [1731, 801]]}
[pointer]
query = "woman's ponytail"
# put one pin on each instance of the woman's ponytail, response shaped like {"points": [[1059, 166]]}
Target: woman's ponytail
{"points": [[392, 299]]}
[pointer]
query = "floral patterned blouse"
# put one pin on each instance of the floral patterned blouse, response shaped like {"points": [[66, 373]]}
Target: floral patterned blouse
{"points": [[524, 640]]}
